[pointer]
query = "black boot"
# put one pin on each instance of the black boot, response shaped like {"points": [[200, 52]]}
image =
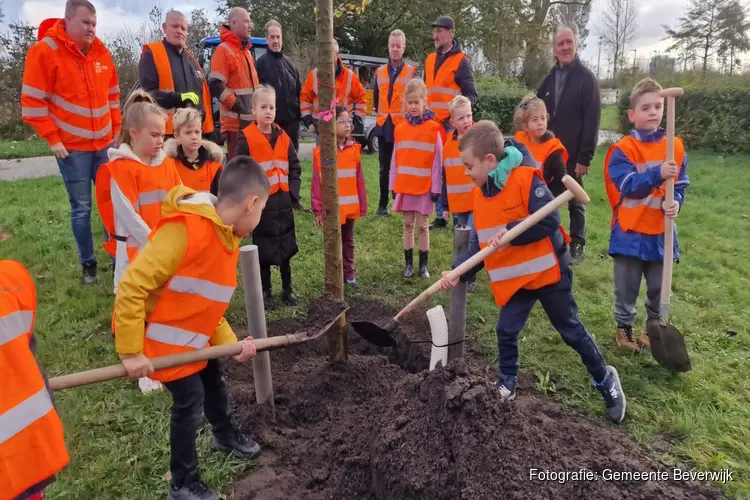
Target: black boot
{"points": [[269, 304], [423, 272], [288, 297], [89, 273], [409, 267], [438, 223]]}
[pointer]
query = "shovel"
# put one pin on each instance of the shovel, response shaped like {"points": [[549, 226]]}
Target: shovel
{"points": [[382, 336], [184, 358], [667, 345]]}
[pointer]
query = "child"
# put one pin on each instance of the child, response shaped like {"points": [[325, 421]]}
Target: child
{"points": [[198, 161], [634, 174], [549, 153], [32, 445], [270, 146], [172, 299], [535, 266], [416, 173], [352, 193]]}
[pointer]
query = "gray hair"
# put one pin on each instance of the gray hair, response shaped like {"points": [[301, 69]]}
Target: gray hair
{"points": [[273, 23], [335, 46], [234, 12], [398, 33], [567, 26]]}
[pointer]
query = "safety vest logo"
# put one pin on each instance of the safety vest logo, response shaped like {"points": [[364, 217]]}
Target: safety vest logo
{"points": [[100, 68]]}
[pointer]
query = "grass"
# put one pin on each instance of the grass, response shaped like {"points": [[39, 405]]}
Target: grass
{"points": [[118, 438], [610, 119], [29, 148]]}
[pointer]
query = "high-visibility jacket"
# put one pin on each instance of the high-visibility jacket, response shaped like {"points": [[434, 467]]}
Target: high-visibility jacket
{"points": [[642, 215], [349, 90], [347, 160], [194, 299], [414, 147], [529, 266], [275, 161], [232, 64], [67, 96], [166, 84], [541, 151], [442, 88], [396, 108], [32, 446], [458, 185]]}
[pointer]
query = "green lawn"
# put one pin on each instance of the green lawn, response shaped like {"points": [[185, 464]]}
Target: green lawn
{"points": [[118, 438], [29, 148], [610, 119]]}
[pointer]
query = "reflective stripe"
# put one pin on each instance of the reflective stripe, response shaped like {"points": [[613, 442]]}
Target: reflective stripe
{"points": [[532, 266], [284, 179], [421, 146], [204, 288], [461, 188], [227, 48], [315, 80], [82, 133], [305, 105], [348, 88], [149, 197], [444, 90], [270, 165], [284, 165], [50, 42], [24, 414], [132, 243], [349, 200], [416, 171], [34, 111], [244, 91], [232, 114], [642, 167], [79, 110], [33, 92], [453, 162], [402, 80], [267, 165], [176, 336], [114, 90], [226, 93], [440, 105], [114, 104], [215, 75], [347, 173], [484, 235], [650, 201], [14, 325]]}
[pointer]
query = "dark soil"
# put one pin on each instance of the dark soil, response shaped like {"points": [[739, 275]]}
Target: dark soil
{"points": [[381, 427]]}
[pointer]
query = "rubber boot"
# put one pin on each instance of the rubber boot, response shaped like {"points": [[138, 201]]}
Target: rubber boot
{"points": [[409, 266], [269, 304], [423, 272]]}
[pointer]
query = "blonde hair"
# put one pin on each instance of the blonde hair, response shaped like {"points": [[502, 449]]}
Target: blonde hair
{"points": [[482, 139], [139, 105], [398, 33], [529, 103], [184, 117], [645, 86], [263, 90], [416, 86], [458, 102]]}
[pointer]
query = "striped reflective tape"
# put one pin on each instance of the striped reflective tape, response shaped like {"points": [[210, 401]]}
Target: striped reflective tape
{"points": [[349, 200], [149, 197], [205, 288], [421, 146], [83, 133], [24, 414], [176, 336], [415, 171], [650, 201], [14, 325], [532, 266], [484, 235], [460, 188]]}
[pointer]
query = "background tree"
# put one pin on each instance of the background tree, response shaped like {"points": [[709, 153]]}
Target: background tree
{"points": [[699, 29], [733, 28], [618, 29], [200, 27], [14, 44]]}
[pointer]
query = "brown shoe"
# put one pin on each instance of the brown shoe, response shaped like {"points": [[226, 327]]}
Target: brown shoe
{"points": [[624, 338], [643, 339]]}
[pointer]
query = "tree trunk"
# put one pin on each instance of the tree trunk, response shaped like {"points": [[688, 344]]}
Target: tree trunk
{"points": [[731, 61], [334, 273], [705, 56]]}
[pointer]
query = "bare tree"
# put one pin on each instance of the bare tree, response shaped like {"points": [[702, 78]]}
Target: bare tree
{"points": [[617, 29]]}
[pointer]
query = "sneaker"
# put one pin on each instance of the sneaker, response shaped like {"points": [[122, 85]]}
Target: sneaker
{"points": [[611, 392], [269, 303], [352, 283], [625, 340], [147, 385], [438, 223], [195, 490], [382, 212], [237, 444], [507, 388], [576, 253], [89, 273], [472, 286], [643, 339], [288, 297]]}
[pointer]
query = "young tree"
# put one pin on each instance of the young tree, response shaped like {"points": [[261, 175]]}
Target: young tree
{"points": [[200, 27], [699, 29], [733, 28], [617, 29]]}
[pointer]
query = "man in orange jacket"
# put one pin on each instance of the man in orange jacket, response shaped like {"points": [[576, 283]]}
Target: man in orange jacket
{"points": [[71, 97]]}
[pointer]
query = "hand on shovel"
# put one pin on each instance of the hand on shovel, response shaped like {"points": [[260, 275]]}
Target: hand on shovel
{"points": [[449, 282], [137, 366], [248, 350]]}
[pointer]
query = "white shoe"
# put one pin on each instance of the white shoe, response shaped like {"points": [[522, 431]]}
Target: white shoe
{"points": [[147, 385]]}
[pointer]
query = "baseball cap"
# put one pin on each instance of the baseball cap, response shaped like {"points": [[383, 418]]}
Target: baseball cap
{"points": [[444, 22]]}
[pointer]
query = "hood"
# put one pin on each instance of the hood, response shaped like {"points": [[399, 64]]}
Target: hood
{"points": [[213, 149], [125, 153], [185, 200], [45, 27], [229, 37], [455, 49], [55, 28]]}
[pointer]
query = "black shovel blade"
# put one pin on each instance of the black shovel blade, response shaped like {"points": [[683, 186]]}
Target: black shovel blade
{"points": [[373, 333], [668, 346]]}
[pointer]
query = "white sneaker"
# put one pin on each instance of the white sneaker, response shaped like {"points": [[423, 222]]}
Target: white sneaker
{"points": [[147, 385]]}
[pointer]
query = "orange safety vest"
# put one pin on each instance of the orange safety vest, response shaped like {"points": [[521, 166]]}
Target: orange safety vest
{"points": [[349, 91], [540, 152], [199, 179], [529, 266], [166, 84], [415, 154], [397, 107], [459, 186], [442, 88], [194, 299], [347, 160], [32, 445], [642, 215], [275, 161]]}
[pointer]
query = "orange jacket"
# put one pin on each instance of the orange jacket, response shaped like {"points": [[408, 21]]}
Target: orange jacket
{"points": [[349, 91], [397, 107], [32, 445], [166, 84], [67, 96], [348, 160], [203, 175], [458, 185], [442, 88], [275, 161], [414, 148], [541, 151], [515, 267], [233, 80]]}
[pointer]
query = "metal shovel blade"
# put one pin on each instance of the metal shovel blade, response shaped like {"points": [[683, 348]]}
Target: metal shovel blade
{"points": [[374, 334], [668, 346]]}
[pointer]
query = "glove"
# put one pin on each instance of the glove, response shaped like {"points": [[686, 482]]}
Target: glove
{"points": [[434, 197], [190, 96]]}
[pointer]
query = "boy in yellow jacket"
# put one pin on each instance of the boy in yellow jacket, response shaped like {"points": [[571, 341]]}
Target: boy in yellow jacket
{"points": [[172, 299]]}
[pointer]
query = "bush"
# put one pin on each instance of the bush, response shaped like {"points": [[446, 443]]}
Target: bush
{"points": [[717, 120], [497, 100]]}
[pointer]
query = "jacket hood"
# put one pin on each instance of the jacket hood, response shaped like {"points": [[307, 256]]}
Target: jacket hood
{"points": [[226, 35], [217, 154], [55, 28], [185, 200], [45, 27], [125, 153], [455, 49]]}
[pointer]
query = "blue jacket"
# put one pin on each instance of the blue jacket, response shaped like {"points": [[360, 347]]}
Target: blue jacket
{"points": [[632, 184]]}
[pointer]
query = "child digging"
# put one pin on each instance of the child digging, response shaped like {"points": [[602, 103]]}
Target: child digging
{"points": [[416, 173], [634, 174], [351, 187], [172, 299], [275, 237], [198, 161], [535, 266]]}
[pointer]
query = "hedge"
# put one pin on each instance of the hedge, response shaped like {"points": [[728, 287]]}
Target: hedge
{"points": [[497, 100], [717, 120]]}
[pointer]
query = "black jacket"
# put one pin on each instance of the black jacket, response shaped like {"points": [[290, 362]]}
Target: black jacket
{"points": [[186, 73], [278, 71], [275, 236], [576, 121]]}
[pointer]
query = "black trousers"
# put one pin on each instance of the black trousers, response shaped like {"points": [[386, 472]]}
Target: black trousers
{"points": [[292, 130], [385, 155], [577, 212], [205, 392], [286, 275]]}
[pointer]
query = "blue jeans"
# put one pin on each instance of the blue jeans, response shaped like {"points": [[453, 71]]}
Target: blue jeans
{"points": [[78, 171]]}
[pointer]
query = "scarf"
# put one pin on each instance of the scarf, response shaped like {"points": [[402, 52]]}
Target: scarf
{"points": [[419, 120], [511, 159]]}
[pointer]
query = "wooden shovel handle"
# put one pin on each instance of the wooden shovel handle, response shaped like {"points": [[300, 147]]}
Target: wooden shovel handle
{"points": [[666, 279], [574, 190]]}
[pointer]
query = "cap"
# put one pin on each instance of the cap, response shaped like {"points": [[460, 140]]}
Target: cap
{"points": [[444, 22]]}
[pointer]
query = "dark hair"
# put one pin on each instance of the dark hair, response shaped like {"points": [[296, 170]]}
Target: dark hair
{"points": [[341, 109], [482, 139], [242, 177]]}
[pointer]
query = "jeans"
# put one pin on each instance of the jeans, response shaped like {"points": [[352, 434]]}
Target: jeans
{"points": [[577, 212], [385, 156], [78, 171], [562, 311], [628, 273]]}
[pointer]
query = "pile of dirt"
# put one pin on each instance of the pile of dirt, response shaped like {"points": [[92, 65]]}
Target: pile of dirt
{"points": [[380, 427]]}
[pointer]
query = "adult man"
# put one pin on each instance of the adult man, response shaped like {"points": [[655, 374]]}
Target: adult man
{"points": [[172, 75], [571, 93], [233, 77], [349, 91], [389, 102], [71, 97], [447, 73]]}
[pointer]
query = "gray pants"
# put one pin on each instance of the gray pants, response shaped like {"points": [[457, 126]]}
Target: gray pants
{"points": [[628, 273]]}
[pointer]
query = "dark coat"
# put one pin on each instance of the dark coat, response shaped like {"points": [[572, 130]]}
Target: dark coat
{"points": [[186, 74], [278, 71], [275, 235]]}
